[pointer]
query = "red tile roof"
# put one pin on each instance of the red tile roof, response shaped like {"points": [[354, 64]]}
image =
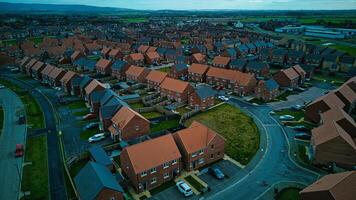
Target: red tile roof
{"points": [[135, 71], [156, 76], [174, 85], [220, 60], [103, 63], [152, 55], [198, 68], [123, 117], [137, 56]]}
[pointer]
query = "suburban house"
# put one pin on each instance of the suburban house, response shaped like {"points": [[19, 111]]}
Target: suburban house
{"points": [[202, 98], [155, 78], [95, 98], [99, 156], [152, 58], [143, 49], [330, 61], [103, 66], [302, 74], [197, 72], [179, 71], [54, 78], [151, 163], [279, 57], [267, 90], [37, 69], [45, 73], [105, 52], [66, 81], [110, 103], [95, 181], [115, 54], [260, 69], [128, 124], [339, 186], [94, 85], [220, 61], [238, 64], [119, 68], [136, 59], [75, 85], [314, 60], [137, 74], [23, 62], [86, 80], [29, 65], [199, 146], [198, 58], [287, 78], [76, 55], [175, 89]]}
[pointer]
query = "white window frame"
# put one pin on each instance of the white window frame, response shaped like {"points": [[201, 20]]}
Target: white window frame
{"points": [[153, 180], [166, 175], [201, 160], [174, 161], [143, 174], [201, 151], [166, 165], [194, 155], [153, 170]]}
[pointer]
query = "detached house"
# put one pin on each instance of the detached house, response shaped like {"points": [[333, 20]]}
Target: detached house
{"points": [[279, 57], [137, 74], [267, 90], [290, 77], [66, 81], [115, 54], [23, 62], [155, 78], [110, 103], [136, 59], [103, 66], [152, 58], [151, 163], [202, 98], [95, 182], [128, 124], [198, 58], [197, 72], [259, 68], [220, 61], [86, 80], [199, 146], [93, 86], [119, 68], [347, 63], [175, 89]]}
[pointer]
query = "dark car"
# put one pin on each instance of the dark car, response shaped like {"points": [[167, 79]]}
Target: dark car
{"points": [[303, 136], [22, 119], [217, 173], [19, 151]]}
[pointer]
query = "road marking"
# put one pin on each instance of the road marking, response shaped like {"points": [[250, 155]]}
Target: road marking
{"points": [[273, 185]]}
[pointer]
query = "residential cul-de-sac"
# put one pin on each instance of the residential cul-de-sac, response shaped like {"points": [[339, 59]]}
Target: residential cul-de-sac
{"points": [[199, 103]]}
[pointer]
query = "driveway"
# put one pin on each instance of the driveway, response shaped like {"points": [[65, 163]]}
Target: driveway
{"points": [[11, 135], [304, 97]]}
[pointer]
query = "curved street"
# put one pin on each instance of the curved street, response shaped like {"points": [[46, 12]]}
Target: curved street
{"points": [[12, 134]]}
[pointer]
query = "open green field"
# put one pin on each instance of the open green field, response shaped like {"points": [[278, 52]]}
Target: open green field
{"points": [[150, 115], [164, 125], [240, 131], [288, 194], [135, 20], [1, 119], [35, 118], [35, 175], [326, 20]]}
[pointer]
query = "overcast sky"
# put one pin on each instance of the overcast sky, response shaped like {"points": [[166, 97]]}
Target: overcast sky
{"points": [[208, 4]]}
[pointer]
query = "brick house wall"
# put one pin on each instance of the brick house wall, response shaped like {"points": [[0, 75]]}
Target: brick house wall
{"points": [[107, 194], [284, 81], [227, 84], [179, 97], [196, 77], [104, 71], [195, 102], [57, 81], [137, 127], [173, 73], [262, 93]]}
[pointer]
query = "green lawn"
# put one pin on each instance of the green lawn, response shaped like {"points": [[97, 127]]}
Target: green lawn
{"points": [[325, 77], [35, 118], [194, 183], [347, 49], [302, 154], [183, 110], [136, 105], [81, 113], [150, 115], [36, 40], [88, 133], [164, 125], [288, 194], [298, 114], [1, 119], [35, 176], [165, 69], [94, 57], [135, 20], [76, 105], [240, 131]]}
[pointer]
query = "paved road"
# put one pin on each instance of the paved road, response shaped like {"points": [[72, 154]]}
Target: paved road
{"points": [[55, 167], [12, 134]]}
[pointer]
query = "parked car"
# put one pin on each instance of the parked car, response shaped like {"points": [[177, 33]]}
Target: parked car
{"points": [[184, 188], [22, 119], [92, 125], [297, 107], [300, 128], [96, 137], [217, 173], [286, 117], [89, 116], [2, 86], [19, 151], [223, 98], [302, 136]]}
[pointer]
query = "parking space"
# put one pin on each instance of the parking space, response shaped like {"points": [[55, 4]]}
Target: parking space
{"points": [[171, 193], [227, 167]]}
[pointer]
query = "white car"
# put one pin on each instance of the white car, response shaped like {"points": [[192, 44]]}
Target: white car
{"points": [[184, 188], [286, 117], [2, 86], [96, 137]]}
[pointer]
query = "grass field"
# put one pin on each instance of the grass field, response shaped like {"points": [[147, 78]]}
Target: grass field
{"points": [[76, 105], [164, 125], [297, 114], [183, 110], [35, 176], [150, 115], [88, 133], [35, 118], [288, 194], [135, 20], [136, 105], [347, 49], [165, 69], [324, 76], [1, 119], [9, 42], [241, 133], [302, 154]]}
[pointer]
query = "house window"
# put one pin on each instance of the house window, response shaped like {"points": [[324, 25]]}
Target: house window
{"points": [[165, 165], [153, 180], [194, 155], [137, 128], [211, 155], [212, 146], [218, 153], [153, 170], [166, 175], [201, 160], [174, 162], [201, 152], [143, 174]]}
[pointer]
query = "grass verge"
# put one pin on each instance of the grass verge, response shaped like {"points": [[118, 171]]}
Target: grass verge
{"points": [[194, 183], [35, 175], [291, 193], [165, 69], [136, 105], [150, 115], [76, 105], [164, 125], [297, 114], [240, 131], [88, 133]]}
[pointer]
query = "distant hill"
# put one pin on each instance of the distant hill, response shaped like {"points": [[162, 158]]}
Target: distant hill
{"points": [[24, 7]]}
